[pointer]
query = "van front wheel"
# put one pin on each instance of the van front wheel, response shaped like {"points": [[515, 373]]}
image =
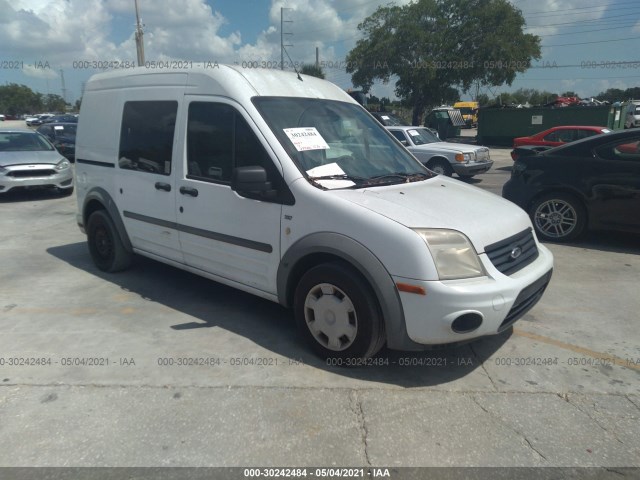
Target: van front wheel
{"points": [[337, 313], [105, 245]]}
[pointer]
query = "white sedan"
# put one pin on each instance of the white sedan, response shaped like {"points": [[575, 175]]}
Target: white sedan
{"points": [[441, 157]]}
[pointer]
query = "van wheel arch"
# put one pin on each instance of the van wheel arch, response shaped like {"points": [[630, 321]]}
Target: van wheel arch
{"points": [[105, 244], [99, 199], [326, 247]]}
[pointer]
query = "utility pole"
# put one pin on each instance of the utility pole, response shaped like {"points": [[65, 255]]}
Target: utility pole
{"points": [[139, 37], [64, 88], [282, 34], [317, 58]]}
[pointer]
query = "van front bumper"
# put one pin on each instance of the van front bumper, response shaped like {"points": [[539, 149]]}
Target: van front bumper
{"points": [[460, 310]]}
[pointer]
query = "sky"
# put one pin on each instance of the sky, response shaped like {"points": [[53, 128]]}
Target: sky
{"points": [[588, 46]]}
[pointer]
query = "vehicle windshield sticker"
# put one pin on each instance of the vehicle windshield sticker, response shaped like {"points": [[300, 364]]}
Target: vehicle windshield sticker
{"points": [[306, 138], [414, 133], [58, 127]]}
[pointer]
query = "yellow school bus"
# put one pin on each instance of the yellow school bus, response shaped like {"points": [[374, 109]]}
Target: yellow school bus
{"points": [[469, 111]]}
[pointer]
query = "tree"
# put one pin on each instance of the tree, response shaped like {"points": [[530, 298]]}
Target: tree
{"points": [[613, 95], [313, 70], [54, 103], [482, 99], [569, 94], [430, 46], [18, 99]]}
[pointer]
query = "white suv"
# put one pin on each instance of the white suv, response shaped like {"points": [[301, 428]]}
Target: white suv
{"points": [[283, 186]]}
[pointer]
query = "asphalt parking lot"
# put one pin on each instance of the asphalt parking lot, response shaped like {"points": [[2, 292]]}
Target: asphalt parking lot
{"points": [[92, 368]]}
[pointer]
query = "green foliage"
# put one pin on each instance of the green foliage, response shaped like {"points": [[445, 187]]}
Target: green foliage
{"points": [[431, 46], [19, 99], [617, 95], [53, 103], [313, 70]]}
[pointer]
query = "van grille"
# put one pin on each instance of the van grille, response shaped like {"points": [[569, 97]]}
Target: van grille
{"points": [[513, 253]]}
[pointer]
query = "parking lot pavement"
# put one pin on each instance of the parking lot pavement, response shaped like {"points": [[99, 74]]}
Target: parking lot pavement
{"points": [[158, 367]]}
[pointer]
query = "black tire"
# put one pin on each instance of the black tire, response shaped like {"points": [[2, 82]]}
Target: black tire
{"points": [[440, 166], [352, 327], [105, 244], [558, 217]]}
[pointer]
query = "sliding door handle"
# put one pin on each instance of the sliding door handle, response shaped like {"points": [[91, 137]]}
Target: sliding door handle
{"points": [[189, 191]]}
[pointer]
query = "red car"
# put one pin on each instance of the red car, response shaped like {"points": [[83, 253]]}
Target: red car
{"points": [[554, 137], [557, 136]]}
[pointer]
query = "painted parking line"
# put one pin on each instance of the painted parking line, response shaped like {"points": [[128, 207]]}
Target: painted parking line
{"points": [[621, 362]]}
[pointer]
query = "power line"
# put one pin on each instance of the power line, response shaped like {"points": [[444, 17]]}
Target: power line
{"points": [[590, 43], [634, 2]]}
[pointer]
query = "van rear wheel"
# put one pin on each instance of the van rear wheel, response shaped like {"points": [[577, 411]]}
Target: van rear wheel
{"points": [[337, 313], [105, 244]]}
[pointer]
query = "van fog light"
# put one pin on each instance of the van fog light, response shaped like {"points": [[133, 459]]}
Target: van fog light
{"points": [[466, 323]]}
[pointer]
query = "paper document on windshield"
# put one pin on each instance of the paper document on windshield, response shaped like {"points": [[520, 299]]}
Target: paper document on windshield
{"points": [[328, 170], [306, 138]]}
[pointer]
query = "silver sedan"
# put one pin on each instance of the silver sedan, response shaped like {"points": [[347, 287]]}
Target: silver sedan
{"points": [[27, 160]]}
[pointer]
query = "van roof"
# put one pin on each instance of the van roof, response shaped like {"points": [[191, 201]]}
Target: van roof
{"points": [[230, 80]]}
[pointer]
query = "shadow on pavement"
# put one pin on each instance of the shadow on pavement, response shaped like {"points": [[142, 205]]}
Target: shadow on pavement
{"points": [[271, 326]]}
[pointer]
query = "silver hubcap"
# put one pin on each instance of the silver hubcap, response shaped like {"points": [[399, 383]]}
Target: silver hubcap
{"points": [[439, 169], [555, 218], [331, 317]]}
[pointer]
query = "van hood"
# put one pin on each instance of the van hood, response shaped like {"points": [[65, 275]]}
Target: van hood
{"points": [[442, 202]]}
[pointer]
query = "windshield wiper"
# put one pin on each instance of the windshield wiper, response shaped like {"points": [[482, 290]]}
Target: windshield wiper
{"points": [[404, 177], [341, 176]]}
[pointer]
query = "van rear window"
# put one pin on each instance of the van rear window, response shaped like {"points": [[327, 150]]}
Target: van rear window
{"points": [[146, 136]]}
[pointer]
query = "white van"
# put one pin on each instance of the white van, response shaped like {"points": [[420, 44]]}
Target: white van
{"points": [[283, 186]]}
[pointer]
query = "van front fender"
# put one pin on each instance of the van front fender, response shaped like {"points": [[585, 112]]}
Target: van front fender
{"points": [[321, 247]]}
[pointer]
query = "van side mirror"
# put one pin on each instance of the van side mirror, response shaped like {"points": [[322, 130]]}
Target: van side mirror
{"points": [[404, 142], [251, 182]]}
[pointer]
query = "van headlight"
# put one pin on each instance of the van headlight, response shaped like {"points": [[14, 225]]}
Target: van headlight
{"points": [[452, 253], [62, 164]]}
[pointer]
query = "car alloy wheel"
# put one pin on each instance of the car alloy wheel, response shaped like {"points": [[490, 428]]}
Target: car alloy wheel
{"points": [[558, 217]]}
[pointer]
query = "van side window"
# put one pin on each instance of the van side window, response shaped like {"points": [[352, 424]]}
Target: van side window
{"points": [[218, 140], [146, 136]]}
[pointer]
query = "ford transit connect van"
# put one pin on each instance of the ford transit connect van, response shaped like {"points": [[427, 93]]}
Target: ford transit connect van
{"points": [[283, 186]]}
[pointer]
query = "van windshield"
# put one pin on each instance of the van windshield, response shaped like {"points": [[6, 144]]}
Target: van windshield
{"points": [[337, 144]]}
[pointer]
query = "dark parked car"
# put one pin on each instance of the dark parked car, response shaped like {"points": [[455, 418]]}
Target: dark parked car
{"points": [[61, 119], [63, 137], [387, 119], [589, 184]]}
